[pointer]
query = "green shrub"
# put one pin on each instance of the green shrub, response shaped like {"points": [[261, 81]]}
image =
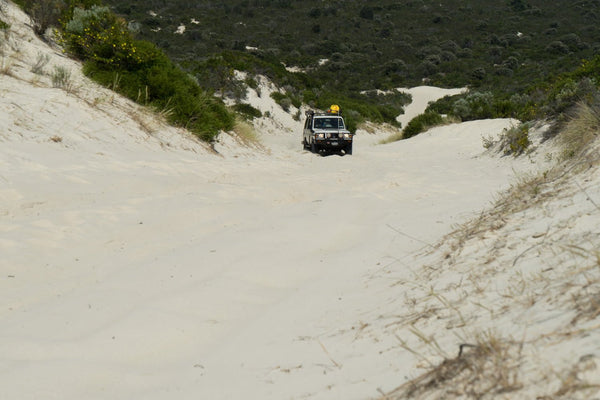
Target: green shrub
{"points": [[251, 82], [20, 3], [519, 5], [171, 91], [474, 105], [557, 47], [247, 111], [566, 92], [421, 123], [309, 97], [97, 34], [479, 105], [47, 13], [284, 101], [515, 140]]}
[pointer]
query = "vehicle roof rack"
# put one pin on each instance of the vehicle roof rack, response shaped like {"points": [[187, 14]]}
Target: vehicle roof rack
{"points": [[334, 109]]}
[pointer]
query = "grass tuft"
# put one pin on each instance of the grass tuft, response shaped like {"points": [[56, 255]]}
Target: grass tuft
{"points": [[246, 133], [485, 368], [515, 141], [581, 130], [40, 63], [61, 78]]}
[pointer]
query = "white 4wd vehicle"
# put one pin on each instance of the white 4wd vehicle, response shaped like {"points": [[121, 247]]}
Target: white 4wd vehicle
{"points": [[326, 132]]}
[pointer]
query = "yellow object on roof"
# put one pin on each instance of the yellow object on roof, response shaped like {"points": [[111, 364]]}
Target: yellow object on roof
{"points": [[334, 109]]}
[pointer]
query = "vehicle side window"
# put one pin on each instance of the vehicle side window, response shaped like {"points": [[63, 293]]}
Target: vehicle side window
{"points": [[307, 123], [340, 123]]}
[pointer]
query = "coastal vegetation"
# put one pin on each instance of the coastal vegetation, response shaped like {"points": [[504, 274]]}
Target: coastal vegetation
{"points": [[524, 59]]}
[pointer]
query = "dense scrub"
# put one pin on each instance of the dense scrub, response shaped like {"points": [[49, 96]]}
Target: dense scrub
{"points": [[508, 53], [384, 44], [554, 99], [296, 88], [525, 59], [138, 69]]}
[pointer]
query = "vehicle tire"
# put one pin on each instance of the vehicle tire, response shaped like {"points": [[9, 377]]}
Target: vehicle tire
{"points": [[313, 147], [348, 149], [304, 144]]}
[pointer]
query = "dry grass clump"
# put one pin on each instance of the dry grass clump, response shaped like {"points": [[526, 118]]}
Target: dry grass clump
{"points": [[246, 133], [579, 152], [41, 62], [492, 367], [368, 127], [480, 371], [527, 191], [587, 306], [587, 298], [61, 78], [581, 130], [573, 383], [392, 138], [144, 121], [567, 281]]}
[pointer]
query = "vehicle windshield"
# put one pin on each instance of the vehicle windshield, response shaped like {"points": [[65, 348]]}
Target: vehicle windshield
{"points": [[329, 123]]}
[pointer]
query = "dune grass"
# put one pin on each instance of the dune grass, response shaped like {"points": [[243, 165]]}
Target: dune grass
{"points": [[565, 277], [581, 130]]}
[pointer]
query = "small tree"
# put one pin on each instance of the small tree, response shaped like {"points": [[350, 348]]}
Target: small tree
{"points": [[519, 5], [366, 12]]}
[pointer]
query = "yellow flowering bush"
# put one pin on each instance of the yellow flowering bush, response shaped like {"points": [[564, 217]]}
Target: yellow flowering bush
{"points": [[142, 72], [99, 35]]}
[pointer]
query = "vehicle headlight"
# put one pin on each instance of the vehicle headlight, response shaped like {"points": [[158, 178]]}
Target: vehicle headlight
{"points": [[320, 136], [347, 136]]}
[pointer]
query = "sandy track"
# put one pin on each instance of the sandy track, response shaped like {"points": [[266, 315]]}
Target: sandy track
{"points": [[137, 274], [138, 264]]}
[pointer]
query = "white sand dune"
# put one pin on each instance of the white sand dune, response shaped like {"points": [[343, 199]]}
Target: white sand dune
{"points": [[422, 96], [136, 263]]}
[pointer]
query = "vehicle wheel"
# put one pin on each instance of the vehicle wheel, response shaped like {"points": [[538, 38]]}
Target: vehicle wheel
{"points": [[349, 149], [304, 144], [313, 147]]}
